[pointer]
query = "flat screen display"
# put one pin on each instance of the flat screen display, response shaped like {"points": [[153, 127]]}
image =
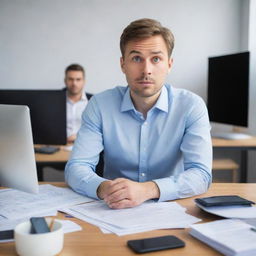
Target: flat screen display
{"points": [[228, 89], [47, 111]]}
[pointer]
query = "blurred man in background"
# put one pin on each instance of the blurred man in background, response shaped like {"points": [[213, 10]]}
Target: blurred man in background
{"points": [[77, 99]]}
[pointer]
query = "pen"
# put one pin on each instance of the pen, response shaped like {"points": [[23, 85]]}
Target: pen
{"points": [[253, 229], [52, 222]]}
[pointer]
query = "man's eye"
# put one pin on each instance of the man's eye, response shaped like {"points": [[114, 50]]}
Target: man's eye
{"points": [[136, 59], [156, 59]]}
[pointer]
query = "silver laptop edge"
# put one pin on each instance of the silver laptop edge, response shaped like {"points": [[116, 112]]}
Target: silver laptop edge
{"points": [[17, 157]]}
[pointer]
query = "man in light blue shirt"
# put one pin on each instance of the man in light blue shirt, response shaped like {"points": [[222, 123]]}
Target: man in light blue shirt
{"points": [[156, 139]]}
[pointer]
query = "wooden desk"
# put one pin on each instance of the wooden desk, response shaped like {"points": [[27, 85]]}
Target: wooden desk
{"points": [[92, 242], [56, 160], [243, 146], [245, 143], [60, 158]]}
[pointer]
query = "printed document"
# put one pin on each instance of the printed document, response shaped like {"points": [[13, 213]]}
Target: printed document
{"points": [[68, 227], [147, 216], [231, 237], [233, 211], [6, 224], [15, 204]]}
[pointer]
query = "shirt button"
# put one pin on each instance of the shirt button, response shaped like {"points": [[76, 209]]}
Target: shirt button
{"points": [[143, 174]]}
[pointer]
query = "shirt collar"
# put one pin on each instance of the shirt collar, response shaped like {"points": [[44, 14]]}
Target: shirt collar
{"points": [[127, 101], [162, 102], [83, 98]]}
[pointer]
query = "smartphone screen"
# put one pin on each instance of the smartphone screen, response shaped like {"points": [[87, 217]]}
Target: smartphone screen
{"points": [[155, 244], [6, 234]]}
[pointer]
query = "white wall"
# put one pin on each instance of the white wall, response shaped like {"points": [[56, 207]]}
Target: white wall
{"points": [[40, 38]]}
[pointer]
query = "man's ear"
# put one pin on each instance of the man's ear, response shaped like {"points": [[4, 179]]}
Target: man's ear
{"points": [[122, 64], [170, 62]]}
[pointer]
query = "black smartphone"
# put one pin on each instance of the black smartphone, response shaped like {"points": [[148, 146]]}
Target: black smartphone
{"points": [[223, 201], [6, 234], [155, 244], [38, 225]]}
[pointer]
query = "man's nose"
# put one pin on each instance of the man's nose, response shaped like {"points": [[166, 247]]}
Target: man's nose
{"points": [[147, 68]]}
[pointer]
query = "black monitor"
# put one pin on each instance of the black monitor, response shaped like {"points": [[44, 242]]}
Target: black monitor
{"points": [[47, 111], [228, 89]]}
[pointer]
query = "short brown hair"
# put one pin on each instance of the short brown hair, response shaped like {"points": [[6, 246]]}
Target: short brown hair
{"points": [[75, 67], [144, 28]]}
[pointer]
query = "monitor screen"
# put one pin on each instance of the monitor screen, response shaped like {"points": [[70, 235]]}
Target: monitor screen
{"points": [[47, 110], [228, 89], [17, 158]]}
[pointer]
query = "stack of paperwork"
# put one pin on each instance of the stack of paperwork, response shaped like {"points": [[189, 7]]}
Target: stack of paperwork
{"points": [[231, 237], [17, 206], [147, 216]]}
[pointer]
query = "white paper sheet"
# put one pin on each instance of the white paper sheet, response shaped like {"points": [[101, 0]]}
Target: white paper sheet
{"points": [[148, 216], [229, 236], [68, 227], [6, 224], [15, 204], [234, 211], [68, 148], [251, 221]]}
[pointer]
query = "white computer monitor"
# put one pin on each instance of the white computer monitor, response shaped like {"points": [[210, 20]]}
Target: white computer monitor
{"points": [[17, 157]]}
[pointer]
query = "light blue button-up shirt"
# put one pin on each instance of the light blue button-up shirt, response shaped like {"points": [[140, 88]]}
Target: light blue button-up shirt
{"points": [[171, 147]]}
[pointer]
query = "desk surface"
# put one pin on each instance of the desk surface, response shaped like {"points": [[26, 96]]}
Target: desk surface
{"points": [[91, 241], [245, 143], [63, 155], [58, 157]]}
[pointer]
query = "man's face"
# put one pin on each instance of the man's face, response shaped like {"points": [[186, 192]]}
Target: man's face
{"points": [[146, 65], [74, 81]]}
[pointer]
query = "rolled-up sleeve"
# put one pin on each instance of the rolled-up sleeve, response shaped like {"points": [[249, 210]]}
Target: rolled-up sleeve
{"points": [[80, 170], [196, 148]]}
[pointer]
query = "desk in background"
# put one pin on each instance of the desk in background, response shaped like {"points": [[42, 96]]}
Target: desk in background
{"points": [[56, 160], [91, 241], [60, 158], [241, 145]]}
